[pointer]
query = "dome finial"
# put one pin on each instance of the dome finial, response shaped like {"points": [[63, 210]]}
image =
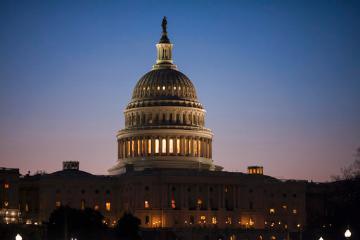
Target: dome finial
{"points": [[163, 24], [164, 38]]}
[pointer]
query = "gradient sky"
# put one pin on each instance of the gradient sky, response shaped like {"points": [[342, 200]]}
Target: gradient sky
{"points": [[280, 79]]}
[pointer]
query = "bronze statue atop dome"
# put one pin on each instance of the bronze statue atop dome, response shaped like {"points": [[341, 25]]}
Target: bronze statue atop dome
{"points": [[163, 24], [164, 38]]}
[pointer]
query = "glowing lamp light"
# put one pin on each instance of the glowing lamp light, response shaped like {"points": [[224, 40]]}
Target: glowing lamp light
{"points": [[347, 233], [18, 237], [321, 238]]}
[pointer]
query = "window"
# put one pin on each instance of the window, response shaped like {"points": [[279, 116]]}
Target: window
{"points": [[284, 207], [147, 219], [171, 145], [191, 219], [96, 207], [27, 207], [163, 145], [199, 202], [108, 206], [149, 146], [82, 204], [6, 203], [202, 219], [138, 147], [213, 220], [228, 220], [128, 148], [195, 147], [272, 211], [251, 222], [146, 204], [178, 146], [157, 143], [294, 211], [6, 185], [57, 204], [132, 147], [173, 204]]}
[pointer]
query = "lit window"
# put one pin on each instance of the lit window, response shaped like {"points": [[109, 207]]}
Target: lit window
{"points": [[284, 207], [195, 147], [96, 207], [294, 211], [213, 220], [298, 225], [202, 219], [146, 204], [108, 206], [158, 88], [228, 220], [273, 238], [6, 185], [226, 189], [149, 146], [251, 222], [272, 210], [199, 201], [178, 146], [6, 203], [128, 148], [157, 142], [163, 87], [173, 204], [174, 88], [82, 204], [57, 204], [163, 145], [138, 146], [26, 207], [132, 147], [171, 145]]}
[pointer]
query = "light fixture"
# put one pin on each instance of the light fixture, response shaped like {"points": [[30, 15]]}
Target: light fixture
{"points": [[321, 238], [347, 233], [18, 237]]}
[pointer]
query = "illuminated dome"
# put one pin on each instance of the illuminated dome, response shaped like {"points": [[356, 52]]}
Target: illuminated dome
{"points": [[164, 121]]}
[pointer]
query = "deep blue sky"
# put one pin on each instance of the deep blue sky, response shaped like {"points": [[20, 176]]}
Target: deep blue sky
{"points": [[280, 79]]}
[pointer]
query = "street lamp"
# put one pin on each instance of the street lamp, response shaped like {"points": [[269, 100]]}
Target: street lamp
{"points": [[347, 233], [18, 237]]}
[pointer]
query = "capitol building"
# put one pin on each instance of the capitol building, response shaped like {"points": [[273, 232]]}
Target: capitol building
{"points": [[165, 174]]}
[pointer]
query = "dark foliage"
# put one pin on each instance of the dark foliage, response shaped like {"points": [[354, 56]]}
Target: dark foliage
{"points": [[127, 227], [82, 224]]}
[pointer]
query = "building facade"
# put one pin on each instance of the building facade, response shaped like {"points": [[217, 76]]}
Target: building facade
{"points": [[165, 174]]}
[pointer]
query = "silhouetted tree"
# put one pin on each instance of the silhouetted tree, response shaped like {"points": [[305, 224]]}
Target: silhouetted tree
{"points": [[127, 227], [352, 171], [66, 222]]}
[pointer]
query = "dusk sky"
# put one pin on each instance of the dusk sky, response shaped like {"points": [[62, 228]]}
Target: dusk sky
{"points": [[280, 80]]}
